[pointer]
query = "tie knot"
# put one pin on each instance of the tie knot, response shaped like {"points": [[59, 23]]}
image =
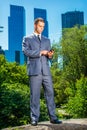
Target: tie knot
{"points": [[38, 36]]}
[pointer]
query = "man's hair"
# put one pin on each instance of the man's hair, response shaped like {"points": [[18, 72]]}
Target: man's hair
{"points": [[38, 19]]}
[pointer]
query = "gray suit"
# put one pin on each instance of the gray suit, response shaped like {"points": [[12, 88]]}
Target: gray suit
{"points": [[39, 72]]}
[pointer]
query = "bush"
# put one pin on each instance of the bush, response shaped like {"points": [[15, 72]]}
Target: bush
{"points": [[77, 105], [15, 95], [14, 104], [44, 112]]}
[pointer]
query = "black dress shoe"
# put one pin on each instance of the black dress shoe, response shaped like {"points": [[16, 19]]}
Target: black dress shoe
{"points": [[55, 121], [34, 123]]}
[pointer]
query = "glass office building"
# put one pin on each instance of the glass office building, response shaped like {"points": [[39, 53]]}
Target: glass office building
{"points": [[16, 31], [70, 19]]}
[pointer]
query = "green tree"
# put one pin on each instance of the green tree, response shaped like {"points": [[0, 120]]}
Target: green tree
{"points": [[74, 50], [54, 61]]}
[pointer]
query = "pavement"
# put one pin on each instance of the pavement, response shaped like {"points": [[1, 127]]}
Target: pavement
{"points": [[70, 124]]}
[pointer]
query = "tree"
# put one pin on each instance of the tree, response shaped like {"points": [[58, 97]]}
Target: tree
{"points": [[74, 50], [54, 61]]}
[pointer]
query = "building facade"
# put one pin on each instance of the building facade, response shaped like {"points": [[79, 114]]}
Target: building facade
{"points": [[43, 14], [16, 31], [70, 19]]}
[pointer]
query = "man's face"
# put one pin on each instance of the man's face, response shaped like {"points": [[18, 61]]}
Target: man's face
{"points": [[39, 27]]}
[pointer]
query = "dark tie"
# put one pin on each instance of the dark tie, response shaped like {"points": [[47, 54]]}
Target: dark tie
{"points": [[39, 38]]}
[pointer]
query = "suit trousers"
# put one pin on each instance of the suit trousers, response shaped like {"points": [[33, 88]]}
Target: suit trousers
{"points": [[35, 86]]}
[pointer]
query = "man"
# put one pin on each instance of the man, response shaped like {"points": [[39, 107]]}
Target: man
{"points": [[37, 48]]}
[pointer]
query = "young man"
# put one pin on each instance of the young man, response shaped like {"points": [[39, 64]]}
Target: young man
{"points": [[37, 48]]}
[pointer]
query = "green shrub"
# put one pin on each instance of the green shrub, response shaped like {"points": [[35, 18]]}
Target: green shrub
{"points": [[43, 111], [14, 104], [77, 105]]}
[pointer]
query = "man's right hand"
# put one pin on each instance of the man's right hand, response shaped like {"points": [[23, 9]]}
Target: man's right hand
{"points": [[44, 52]]}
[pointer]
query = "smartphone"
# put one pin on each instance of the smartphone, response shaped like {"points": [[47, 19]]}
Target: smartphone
{"points": [[51, 50]]}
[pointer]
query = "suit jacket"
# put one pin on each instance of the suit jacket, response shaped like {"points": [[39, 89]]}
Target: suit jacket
{"points": [[36, 64]]}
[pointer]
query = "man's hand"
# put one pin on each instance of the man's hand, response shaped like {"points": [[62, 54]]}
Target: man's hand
{"points": [[50, 53], [44, 52]]}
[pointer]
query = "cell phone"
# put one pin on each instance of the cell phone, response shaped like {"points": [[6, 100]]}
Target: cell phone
{"points": [[51, 50]]}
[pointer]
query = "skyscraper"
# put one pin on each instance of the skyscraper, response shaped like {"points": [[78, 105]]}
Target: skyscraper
{"points": [[16, 31], [70, 19], [43, 14]]}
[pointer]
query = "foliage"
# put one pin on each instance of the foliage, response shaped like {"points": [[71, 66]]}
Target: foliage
{"points": [[56, 48], [69, 81], [77, 105], [60, 85], [14, 104], [43, 111], [11, 72], [15, 95], [74, 50]]}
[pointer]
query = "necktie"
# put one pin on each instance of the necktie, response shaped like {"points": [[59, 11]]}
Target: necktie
{"points": [[39, 38]]}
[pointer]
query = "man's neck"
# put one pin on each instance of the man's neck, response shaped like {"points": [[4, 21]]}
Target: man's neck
{"points": [[37, 33]]}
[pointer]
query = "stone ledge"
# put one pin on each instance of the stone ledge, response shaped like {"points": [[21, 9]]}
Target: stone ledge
{"points": [[72, 124]]}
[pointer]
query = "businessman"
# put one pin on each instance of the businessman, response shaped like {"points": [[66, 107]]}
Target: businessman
{"points": [[37, 48]]}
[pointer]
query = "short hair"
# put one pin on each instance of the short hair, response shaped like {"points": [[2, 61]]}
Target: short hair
{"points": [[38, 19]]}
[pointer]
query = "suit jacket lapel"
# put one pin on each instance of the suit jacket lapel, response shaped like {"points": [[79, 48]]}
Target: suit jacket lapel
{"points": [[36, 38]]}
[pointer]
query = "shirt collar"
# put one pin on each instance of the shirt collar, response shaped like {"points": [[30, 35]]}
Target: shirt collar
{"points": [[37, 34]]}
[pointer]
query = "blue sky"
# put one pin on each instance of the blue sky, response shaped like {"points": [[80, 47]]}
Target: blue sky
{"points": [[54, 10]]}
